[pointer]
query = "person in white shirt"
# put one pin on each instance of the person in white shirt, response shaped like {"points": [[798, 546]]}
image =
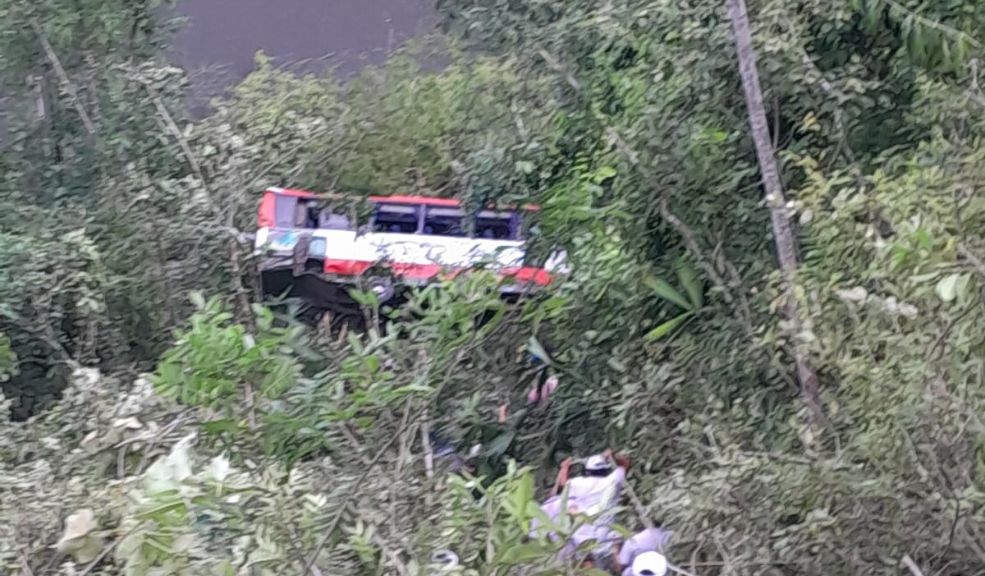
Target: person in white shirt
{"points": [[610, 553], [552, 509], [597, 492], [642, 547]]}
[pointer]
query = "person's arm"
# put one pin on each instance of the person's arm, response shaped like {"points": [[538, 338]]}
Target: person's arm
{"points": [[617, 558], [536, 394], [622, 461], [562, 476], [547, 390]]}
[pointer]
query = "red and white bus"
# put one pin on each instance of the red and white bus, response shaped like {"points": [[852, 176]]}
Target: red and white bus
{"points": [[416, 239]]}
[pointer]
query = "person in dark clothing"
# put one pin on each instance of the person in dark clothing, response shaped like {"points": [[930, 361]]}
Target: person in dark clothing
{"points": [[545, 385]]}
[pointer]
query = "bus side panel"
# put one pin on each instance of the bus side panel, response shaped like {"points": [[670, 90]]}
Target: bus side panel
{"points": [[266, 216]]}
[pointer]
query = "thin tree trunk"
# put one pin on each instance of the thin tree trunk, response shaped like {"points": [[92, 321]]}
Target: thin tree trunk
{"points": [[67, 83], [783, 234]]}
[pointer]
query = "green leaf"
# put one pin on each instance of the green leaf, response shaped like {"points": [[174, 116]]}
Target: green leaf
{"points": [[947, 287], [522, 553], [616, 364], [225, 568], [689, 280], [603, 174], [667, 292], [535, 511], [923, 238], [163, 508], [665, 328], [962, 288], [412, 388], [216, 427], [197, 300], [367, 299], [500, 444], [523, 493], [533, 345]]}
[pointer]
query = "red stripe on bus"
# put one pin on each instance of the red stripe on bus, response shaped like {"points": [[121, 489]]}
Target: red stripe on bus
{"points": [[417, 200], [292, 192], [537, 276], [397, 199], [346, 267]]}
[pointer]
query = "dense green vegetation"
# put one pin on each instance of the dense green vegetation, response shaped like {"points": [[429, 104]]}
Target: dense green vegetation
{"points": [[200, 433]]}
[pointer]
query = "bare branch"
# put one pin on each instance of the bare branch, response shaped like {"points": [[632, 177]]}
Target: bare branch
{"points": [[70, 87], [691, 244], [25, 565], [235, 258], [337, 519], [970, 256], [105, 551], [394, 437], [175, 131], [553, 64], [426, 445], [924, 21], [351, 439], [911, 565]]}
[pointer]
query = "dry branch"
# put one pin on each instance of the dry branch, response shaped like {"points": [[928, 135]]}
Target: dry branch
{"points": [[428, 453], [911, 566], [337, 519], [70, 87]]}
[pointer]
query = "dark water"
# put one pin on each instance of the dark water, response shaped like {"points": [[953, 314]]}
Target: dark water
{"points": [[222, 36], [219, 38]]}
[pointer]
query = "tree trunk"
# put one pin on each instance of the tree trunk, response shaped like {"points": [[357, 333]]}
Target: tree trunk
{"points": [[782, 232]]}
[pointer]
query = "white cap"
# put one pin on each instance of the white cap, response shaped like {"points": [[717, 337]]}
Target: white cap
{"points": [[444, 559], [597, 462], [650, 564]]}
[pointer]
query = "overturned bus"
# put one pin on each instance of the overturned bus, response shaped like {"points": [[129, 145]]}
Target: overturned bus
{"points": [[316, 253]]}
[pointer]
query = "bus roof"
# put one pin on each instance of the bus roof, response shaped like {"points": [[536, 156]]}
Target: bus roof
{"points": [[293, 192], [396, 199]]}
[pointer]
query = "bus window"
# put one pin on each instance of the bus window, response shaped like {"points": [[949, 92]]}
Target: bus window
{"points": [[316, 249], [333, 221], [494, 225], [284, 211], [444, 222], [311, 215], [397, 219]]}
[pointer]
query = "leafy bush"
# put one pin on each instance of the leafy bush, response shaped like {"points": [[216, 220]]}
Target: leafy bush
{"points": [[623, 121], [215, 361], [8, 359]]}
